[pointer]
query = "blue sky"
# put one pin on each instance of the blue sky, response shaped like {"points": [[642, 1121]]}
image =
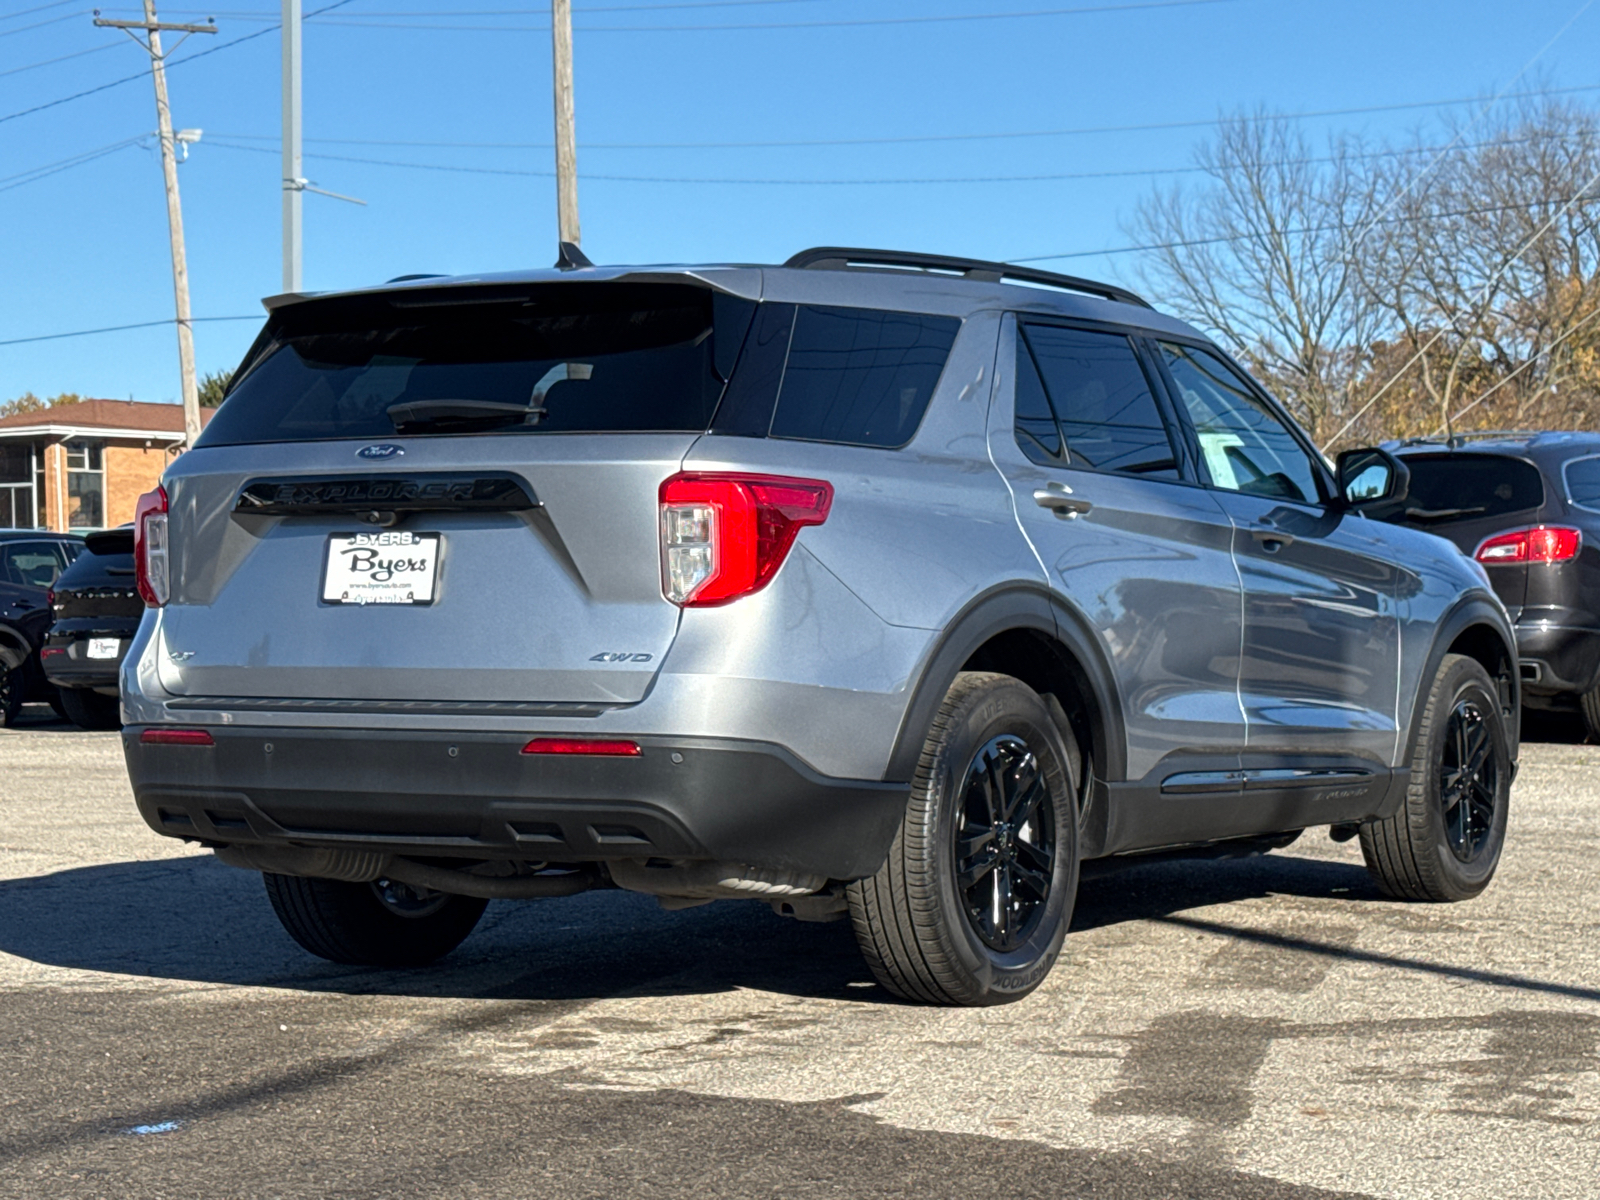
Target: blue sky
{"points": [[86, 247]]}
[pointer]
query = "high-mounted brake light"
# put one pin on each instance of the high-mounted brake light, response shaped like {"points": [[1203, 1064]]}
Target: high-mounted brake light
{"points": [[595, 746], [150, 548], [1541, 544], [725, 536], [175, 737]]}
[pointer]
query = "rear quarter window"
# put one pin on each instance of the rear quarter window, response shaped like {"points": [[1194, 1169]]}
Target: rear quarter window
{"points": [[1470, 487], [1583, 482]]}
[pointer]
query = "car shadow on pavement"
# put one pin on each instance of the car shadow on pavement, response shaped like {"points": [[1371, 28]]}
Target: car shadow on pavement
{"points": [[192, 919]]}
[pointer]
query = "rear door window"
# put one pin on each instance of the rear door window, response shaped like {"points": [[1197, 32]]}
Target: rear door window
{"points": [[1083, 400], [31, 564], [860, 377], [545, 358], [1468, 487]]}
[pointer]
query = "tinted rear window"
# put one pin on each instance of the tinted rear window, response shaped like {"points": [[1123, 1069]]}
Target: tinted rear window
{"points": [[547, 358], [1469, 487], [860, 377]]}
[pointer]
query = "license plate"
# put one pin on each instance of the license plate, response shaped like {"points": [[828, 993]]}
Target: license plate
{"points": [[391, 567], [104, 647]]}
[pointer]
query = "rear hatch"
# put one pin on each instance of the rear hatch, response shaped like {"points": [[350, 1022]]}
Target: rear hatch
{"points": [[1469, 498], [444, 494]]}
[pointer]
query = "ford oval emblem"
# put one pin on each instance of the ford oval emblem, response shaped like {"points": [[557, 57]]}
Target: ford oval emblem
{"points": [[381, 451]]}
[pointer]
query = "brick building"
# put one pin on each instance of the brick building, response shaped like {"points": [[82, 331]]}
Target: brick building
{"points": [[83, 466]]}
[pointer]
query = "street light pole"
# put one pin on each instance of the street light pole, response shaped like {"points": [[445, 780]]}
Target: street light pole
{"points": [[566, 137], [169, 171], [293, 184]]}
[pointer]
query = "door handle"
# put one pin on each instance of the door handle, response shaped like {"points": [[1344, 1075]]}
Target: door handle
{"points": [[1270, 538], [1059, 499]]}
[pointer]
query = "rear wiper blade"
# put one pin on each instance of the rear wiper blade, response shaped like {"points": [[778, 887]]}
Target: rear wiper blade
{"points": [[1443, 514], [462, 414]]}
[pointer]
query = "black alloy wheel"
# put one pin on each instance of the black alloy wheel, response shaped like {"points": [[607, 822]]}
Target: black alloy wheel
{"points": [[1469, 780], [1005, 843], [1443, 842]]}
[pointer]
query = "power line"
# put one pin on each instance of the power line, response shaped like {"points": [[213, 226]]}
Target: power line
{"points": [[187, 58], [24, 177], [25, 12], [263, 15], [42, 24], [227, 144], [52, 61], [936, 137], [853, 23], [1545, 353], [51, 337]]}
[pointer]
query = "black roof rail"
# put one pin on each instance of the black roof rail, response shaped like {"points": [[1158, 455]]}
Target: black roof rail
{"points": [[843, 258], [1459, 439]]}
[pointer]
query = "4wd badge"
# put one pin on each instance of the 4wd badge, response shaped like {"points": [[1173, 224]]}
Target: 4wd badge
{"points": [[615, 656]]}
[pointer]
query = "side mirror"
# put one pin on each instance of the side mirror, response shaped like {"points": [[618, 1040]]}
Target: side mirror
{"points": [[1372, 481]]}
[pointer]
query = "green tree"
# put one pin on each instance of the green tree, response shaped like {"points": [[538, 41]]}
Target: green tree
{"points": [[29, 403], [213, 386]]}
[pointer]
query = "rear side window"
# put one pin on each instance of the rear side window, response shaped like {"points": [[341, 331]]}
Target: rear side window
{"points": [[1583, 483], [860, 377], [1466, 487], [545, 358], [1083, 400]]}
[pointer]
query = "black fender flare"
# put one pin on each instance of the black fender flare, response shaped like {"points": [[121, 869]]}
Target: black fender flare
{"points": [[16, 647], [1472, 609], [1008, 606]]}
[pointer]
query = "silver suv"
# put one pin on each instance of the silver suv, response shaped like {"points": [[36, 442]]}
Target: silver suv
{"points": [[881, 585]]}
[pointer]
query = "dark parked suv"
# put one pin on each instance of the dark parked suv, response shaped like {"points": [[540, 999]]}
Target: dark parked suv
{"points": [[872, 585], [1526, 506], [97, 610], [30, 561]]}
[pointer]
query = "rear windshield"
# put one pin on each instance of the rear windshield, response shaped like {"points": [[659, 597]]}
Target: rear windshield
{"points": [[1466, 487], [551, 358]]}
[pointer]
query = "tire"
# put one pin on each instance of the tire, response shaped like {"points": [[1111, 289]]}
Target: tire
{"points": [[352, 923], [90, 710], [13, 687], [925, 935], [1445, 841], [1589, 705]]}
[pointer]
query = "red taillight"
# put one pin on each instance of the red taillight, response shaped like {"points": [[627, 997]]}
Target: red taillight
{"points": [[1541, 544], [150, 548], [607, 749], [725, 536], [52, 651], [176, 737]]}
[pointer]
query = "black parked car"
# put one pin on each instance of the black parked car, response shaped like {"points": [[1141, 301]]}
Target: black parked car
{"points": [[97, 610], [1526, 506], [30, 561]]}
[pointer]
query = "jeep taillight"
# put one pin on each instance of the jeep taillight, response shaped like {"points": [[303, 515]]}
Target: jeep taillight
{"points": [[725, 536], [1541, 544], [150, 548]]}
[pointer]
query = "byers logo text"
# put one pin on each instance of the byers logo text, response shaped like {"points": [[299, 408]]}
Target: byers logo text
{"points": [[375, 555]]}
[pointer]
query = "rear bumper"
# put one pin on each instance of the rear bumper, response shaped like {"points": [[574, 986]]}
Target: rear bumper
{"points": [[1558, 659], [474, 795]]}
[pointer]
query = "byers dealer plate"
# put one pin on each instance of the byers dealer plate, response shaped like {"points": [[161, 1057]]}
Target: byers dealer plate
{"points": [[391, 567]]}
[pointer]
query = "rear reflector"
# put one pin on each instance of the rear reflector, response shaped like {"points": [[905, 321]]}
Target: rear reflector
{"points": [[176, 737], [52, 651], [1541, 544], [582, 746]]}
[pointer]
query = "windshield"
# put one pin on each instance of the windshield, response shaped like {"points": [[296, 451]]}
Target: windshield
{"points": [[561, 358]]}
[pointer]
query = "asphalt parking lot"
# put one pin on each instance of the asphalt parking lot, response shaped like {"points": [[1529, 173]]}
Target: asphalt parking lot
{"points": [[1262, 1028]]}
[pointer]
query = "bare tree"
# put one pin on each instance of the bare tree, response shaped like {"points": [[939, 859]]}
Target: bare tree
{"points": [[1261, 256]]}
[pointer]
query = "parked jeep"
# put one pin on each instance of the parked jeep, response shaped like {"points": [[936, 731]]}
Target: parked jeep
{"points": [[876, 584]]}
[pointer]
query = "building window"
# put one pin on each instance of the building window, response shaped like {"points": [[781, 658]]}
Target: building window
{"points": [[86, 486], [17, 510]]}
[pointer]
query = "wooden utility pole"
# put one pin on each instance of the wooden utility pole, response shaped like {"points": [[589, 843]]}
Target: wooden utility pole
{"points": [[566, 136], [169, 170]]}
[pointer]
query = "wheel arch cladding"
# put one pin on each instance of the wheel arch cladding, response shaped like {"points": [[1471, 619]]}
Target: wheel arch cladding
{"points": [[1025, 632], [1473, 628]]}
